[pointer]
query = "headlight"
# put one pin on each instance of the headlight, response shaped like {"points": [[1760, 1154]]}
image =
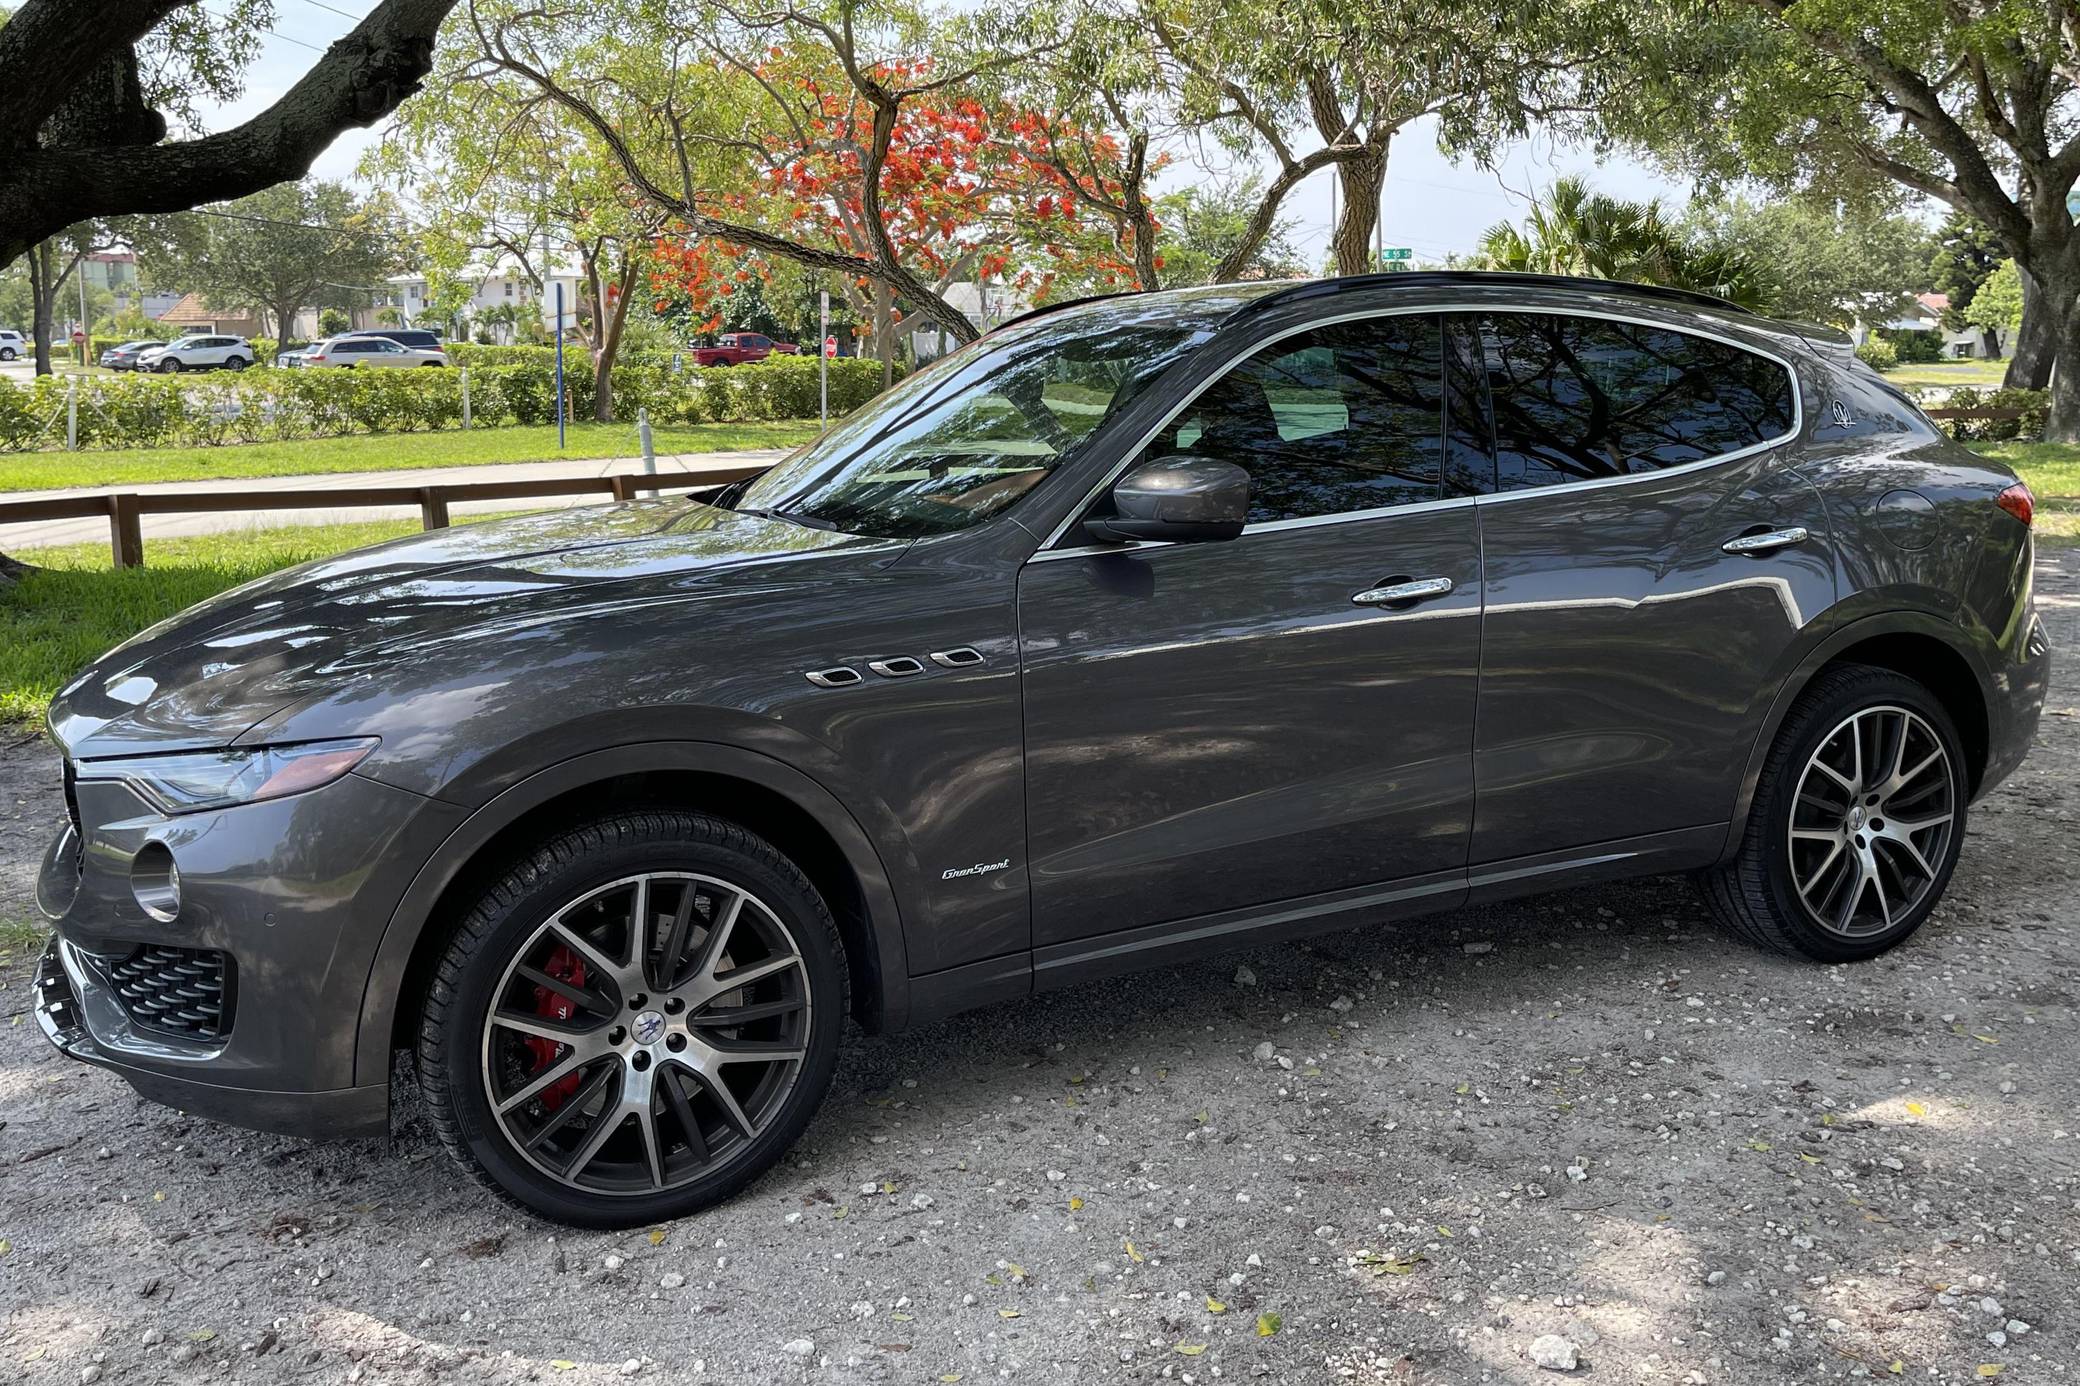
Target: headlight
{"points": [[189, 781]]}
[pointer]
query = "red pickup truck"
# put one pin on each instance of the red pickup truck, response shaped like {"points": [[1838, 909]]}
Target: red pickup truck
{"points": [[736, 348]]}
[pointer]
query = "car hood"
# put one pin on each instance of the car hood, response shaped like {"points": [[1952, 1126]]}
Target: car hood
{"points": [[206, 676]]}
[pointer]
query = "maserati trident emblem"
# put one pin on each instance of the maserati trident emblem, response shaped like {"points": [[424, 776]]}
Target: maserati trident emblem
{"points": [[648, 1028], [1840, 413]]}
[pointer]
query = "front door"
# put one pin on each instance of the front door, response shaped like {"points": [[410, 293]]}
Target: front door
{"points": [[1290, 713], [1628, 656]]}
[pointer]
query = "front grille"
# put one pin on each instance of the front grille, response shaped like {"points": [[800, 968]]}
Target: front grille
{"points": [[182, 992]]}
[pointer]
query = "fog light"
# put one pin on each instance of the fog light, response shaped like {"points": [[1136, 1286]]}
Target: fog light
{"points": [[156, 882]]}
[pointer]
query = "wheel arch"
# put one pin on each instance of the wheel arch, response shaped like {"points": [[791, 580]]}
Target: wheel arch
{"points": [[771, 798], [1921, 647]]}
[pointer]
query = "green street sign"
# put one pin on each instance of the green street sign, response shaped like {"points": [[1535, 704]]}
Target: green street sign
{"points": [[1395, 252]]}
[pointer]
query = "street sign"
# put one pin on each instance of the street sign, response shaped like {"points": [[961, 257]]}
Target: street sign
{"points": [[79, 338], [1395, 252], [830, 346]]}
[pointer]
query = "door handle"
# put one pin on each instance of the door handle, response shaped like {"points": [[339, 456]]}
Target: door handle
{"points": [[1767, 542], [1400, 593]]}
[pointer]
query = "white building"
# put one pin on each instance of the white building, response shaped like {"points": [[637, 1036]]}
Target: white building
{"points": [[1925, 314], [497, 287]]}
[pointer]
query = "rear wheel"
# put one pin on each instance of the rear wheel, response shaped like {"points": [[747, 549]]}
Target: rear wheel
{"points": [[636, 1021], [1856, 825], [235, 363]]}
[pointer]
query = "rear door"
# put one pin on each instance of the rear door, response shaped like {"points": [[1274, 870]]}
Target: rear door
{"points": [[1650, 557], [1218, 725]]}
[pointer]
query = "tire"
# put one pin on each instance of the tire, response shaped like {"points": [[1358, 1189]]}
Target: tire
{"points": [[1823, 872], [6, 353], [235, 363], [562, 912], [169, 366]]}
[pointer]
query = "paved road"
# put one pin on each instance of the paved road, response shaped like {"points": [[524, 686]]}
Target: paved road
{"points": [[95, 530]]}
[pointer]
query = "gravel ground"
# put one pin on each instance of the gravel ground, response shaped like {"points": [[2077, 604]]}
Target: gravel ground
{"points": [[1581, 1128]]}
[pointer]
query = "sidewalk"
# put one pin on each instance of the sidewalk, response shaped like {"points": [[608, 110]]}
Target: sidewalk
{"points": [[94, 530]]}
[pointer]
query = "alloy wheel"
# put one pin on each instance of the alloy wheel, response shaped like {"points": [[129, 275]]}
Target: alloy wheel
{"points": [[1871, 823], [646, 1033]]}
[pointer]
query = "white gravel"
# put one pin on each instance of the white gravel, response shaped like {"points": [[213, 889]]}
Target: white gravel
{"points": [[1605, 1125]]}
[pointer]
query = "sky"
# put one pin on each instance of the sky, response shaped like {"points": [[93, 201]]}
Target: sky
{"points": [[1432, 206]]}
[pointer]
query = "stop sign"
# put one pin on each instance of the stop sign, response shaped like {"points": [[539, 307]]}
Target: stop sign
{"points": [[830, 346], [79, 339]]}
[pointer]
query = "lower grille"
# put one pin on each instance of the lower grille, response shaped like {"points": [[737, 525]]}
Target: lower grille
{"points": [[182, 992]]}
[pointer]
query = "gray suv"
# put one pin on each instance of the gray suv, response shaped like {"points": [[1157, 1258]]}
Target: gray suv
{"points": [[1141, 628]]}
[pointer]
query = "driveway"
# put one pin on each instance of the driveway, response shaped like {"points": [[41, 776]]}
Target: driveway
{"points": [[1403, 1155]]}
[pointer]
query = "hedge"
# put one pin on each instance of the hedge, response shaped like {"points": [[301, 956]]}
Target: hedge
{"points": [[267, 405], [2034, 404]]}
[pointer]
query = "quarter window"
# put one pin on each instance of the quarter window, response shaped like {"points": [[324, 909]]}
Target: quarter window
{"points": [[1343, 418], [1579, 398]]}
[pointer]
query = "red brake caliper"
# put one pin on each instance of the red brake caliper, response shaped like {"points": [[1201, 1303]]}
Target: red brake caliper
{"points": [[565, 966]]}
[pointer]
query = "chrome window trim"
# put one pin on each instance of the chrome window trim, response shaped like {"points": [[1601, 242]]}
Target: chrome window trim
{"points": [[1047, 550]]}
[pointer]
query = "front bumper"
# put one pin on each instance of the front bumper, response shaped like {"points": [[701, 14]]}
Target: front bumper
{"points": [[245, 1006], [342, 1112]]}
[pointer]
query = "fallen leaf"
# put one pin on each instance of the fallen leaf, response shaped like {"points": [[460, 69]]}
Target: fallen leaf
{"points": [[951, 1377], [888, 1188], [838, 1214], [1463, 1089], [1897, 1367], [1190, 1349], [1916, 1109], [1132, 1255], [1443, 1231], [1014, 1270], [1007, 1313], [1268, 1324], [1986, 1039], [900, 1317], [563, 1364], [1992, 1368], [1760, 1145], [1214, 1306], [202, 1335], [158, 1195], [1075, 1203], [657, 1236]]}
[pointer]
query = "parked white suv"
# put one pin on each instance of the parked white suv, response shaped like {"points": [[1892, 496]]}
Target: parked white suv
{"points": [[12, 345], [346, 352], [199, 353]]}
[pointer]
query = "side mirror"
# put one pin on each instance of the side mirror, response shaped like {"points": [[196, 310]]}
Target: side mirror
{"points": [[1183, 500]]}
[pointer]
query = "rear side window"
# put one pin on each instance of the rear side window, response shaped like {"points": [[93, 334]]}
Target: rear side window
{"points": [[1580, 398], [1343, 418]]}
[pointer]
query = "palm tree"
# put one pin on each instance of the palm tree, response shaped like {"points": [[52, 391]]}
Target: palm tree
{"points": [[1576, 230]]}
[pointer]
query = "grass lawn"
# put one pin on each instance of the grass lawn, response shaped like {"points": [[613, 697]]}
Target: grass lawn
{"points": [[1940, 373], [55, 621], [38, 471]]}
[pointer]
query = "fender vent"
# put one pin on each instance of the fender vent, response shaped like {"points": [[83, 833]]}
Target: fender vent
{"points": [[840, 677]]}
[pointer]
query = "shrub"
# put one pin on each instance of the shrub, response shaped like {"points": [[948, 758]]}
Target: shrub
{"points": [[1914, 348], [1878, 354], [2034, 404]]}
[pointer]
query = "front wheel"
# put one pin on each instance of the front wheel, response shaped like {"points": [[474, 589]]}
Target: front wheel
{"points": [[6, 353], [635, 1021], [1858, 817], [169, 367]]}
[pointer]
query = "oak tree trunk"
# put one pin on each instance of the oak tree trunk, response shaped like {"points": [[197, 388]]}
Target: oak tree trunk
{"points": [[2036, 343], [1362, 178], [884, 335]]}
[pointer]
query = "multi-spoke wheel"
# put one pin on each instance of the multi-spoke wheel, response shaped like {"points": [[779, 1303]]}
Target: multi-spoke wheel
{"points": [[1856, 823], [637, 1021]]}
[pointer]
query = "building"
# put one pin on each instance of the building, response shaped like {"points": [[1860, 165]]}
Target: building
{"points": [[1925, 314], [499, 288], [192, 313]]}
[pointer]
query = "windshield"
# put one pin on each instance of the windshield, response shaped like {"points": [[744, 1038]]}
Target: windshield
{"points": [[977, 430]]}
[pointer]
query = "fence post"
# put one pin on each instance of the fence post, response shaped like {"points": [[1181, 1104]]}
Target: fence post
{"points": [[72, 415], [465, 396], [649, 442], [624, 487], [433, 508], [125, 537]]}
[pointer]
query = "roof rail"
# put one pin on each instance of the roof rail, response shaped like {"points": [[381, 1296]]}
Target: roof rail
{"points": [[1416, 279]]}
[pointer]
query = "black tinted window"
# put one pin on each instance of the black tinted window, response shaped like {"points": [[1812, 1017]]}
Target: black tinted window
{"points": [[1343, 418], [1578, 398]]}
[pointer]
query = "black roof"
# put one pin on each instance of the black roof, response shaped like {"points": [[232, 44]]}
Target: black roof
{"points": [[1418, 279]]}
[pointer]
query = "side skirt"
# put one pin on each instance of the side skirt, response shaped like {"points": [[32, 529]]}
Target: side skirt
{"points": [[940, 994]]}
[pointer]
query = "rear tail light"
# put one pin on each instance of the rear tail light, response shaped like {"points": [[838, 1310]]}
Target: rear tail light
{"points": [[2017, 501]]}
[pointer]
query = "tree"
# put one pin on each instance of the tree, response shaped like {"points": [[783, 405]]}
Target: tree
{"points": [[1997, 307], [1573, 229], [1968, 103], [87, 86], [1206, 225], [279, 251], [51, 263], [1815, 263], [1960, 256]]}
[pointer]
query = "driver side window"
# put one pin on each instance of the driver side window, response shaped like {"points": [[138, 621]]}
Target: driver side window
{"points": [[1342, 418]]}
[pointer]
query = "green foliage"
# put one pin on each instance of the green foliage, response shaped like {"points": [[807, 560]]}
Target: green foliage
{"points": [[1817, 262], [1203, 224], [2035, 404], [1961, 254], [1877, 353], [1576, 230], [1997, 307], [1912, 348], [264, 405]]}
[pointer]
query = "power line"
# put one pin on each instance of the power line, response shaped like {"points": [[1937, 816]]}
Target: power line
{"points": [[343, 14]]}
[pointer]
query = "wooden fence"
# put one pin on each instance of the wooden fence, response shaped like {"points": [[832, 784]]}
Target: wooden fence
{"points": [[124, 509]]}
